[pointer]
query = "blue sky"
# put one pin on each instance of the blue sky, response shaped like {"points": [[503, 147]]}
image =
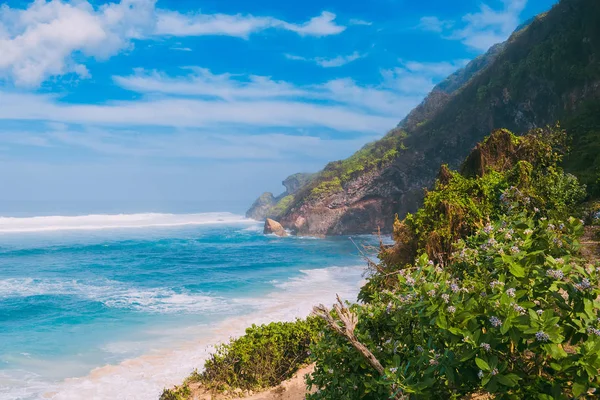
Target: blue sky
{"points": [[181, 105]]}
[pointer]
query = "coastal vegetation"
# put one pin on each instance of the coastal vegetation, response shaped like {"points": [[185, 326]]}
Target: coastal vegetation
{"points": [[484, 291], [496, 299], [263, 357], [372, 156], [488, 290]]}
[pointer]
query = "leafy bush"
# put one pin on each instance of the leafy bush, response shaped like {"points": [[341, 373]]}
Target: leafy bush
{"points": [[265, 356], [515, 312], [281, 206], [484, 290], [182, 392], [463, 202]]}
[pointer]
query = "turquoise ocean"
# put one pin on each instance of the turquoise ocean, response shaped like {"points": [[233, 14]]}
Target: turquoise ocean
{"points": [[120, 306]]}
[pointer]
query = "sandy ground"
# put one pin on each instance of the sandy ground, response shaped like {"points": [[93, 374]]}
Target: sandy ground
{"points": [[292, 389]]}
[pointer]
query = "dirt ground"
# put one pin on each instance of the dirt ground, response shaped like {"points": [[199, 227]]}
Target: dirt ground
{"points": [[292, 389]]}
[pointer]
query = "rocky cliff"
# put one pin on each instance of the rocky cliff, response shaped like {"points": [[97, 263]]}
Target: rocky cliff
{"points": [[269, 206], [548, 71]]}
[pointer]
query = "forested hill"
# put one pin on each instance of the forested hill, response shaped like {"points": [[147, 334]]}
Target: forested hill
{"points": [[546, 72]]}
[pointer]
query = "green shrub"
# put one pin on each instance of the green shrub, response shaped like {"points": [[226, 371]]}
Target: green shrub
{"points": [[514, 313], [182, 392], [484, 290], [372, 156], [282, 206], [463, 202], [327, 187], [265, 356]]}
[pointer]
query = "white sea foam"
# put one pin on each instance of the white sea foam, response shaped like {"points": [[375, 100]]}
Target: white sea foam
{"points": [[145, 377], [117, 221], [114, 294]]}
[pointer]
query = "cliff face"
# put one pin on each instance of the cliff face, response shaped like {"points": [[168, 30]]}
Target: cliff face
{"points": [[546, 72], [269, 206]]}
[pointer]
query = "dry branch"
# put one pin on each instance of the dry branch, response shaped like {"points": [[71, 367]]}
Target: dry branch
{"points": [[349, 321]]}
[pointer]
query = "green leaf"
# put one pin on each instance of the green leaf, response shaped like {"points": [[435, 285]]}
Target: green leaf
{"points": [[555, 351], [482, 364], [556, 366], [516, 270], [579, 389], [468, 355], [509, 380]]}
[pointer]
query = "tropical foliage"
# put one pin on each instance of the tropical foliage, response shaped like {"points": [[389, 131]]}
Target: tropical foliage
{"points": [[496, 298]]}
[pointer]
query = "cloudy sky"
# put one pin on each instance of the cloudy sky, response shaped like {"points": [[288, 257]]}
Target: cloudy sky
{"points": [[200, 105]]}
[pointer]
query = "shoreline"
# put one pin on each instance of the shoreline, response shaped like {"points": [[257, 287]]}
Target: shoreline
{"points": [[145, 377]]}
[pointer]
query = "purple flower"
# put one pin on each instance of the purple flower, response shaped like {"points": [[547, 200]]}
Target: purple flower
{"points": [[485, 346], [556, 274], [495, 321], [519, 309], [511, 292], [496, 283], [542, 336], [593, 331], [583, 285], [446, 297]]}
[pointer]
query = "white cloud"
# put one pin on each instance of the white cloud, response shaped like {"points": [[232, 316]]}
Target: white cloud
{"points": [[418, 77], [435, 69], [41, 40], [177, 24], [325, 62], [201, 99], [179, 112], [186, 143], [386, 100], [355, 21], [202, 82], [482, 29], [434, 24]]}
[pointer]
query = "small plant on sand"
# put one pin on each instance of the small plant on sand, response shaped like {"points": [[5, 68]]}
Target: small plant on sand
{"points": [[264, 357]]}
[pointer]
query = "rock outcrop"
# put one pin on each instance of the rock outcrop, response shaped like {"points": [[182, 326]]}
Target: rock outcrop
{"points": [[548, 71], [269, 206], [274, 227], [261, 206]]}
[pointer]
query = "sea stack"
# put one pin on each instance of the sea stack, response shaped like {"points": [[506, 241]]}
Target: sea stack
{"points": [[272, 226]]}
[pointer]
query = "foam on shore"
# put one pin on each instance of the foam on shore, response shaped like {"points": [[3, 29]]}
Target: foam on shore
{"points": [[116, 221], [145, 377]]}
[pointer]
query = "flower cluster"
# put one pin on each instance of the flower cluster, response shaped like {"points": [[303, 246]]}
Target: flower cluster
{"points": [[542, 336], [495, 321], [555, 273], [583, 285]]}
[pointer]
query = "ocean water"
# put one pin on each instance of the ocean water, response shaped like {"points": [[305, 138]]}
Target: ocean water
{"points": [[119, 307]]}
